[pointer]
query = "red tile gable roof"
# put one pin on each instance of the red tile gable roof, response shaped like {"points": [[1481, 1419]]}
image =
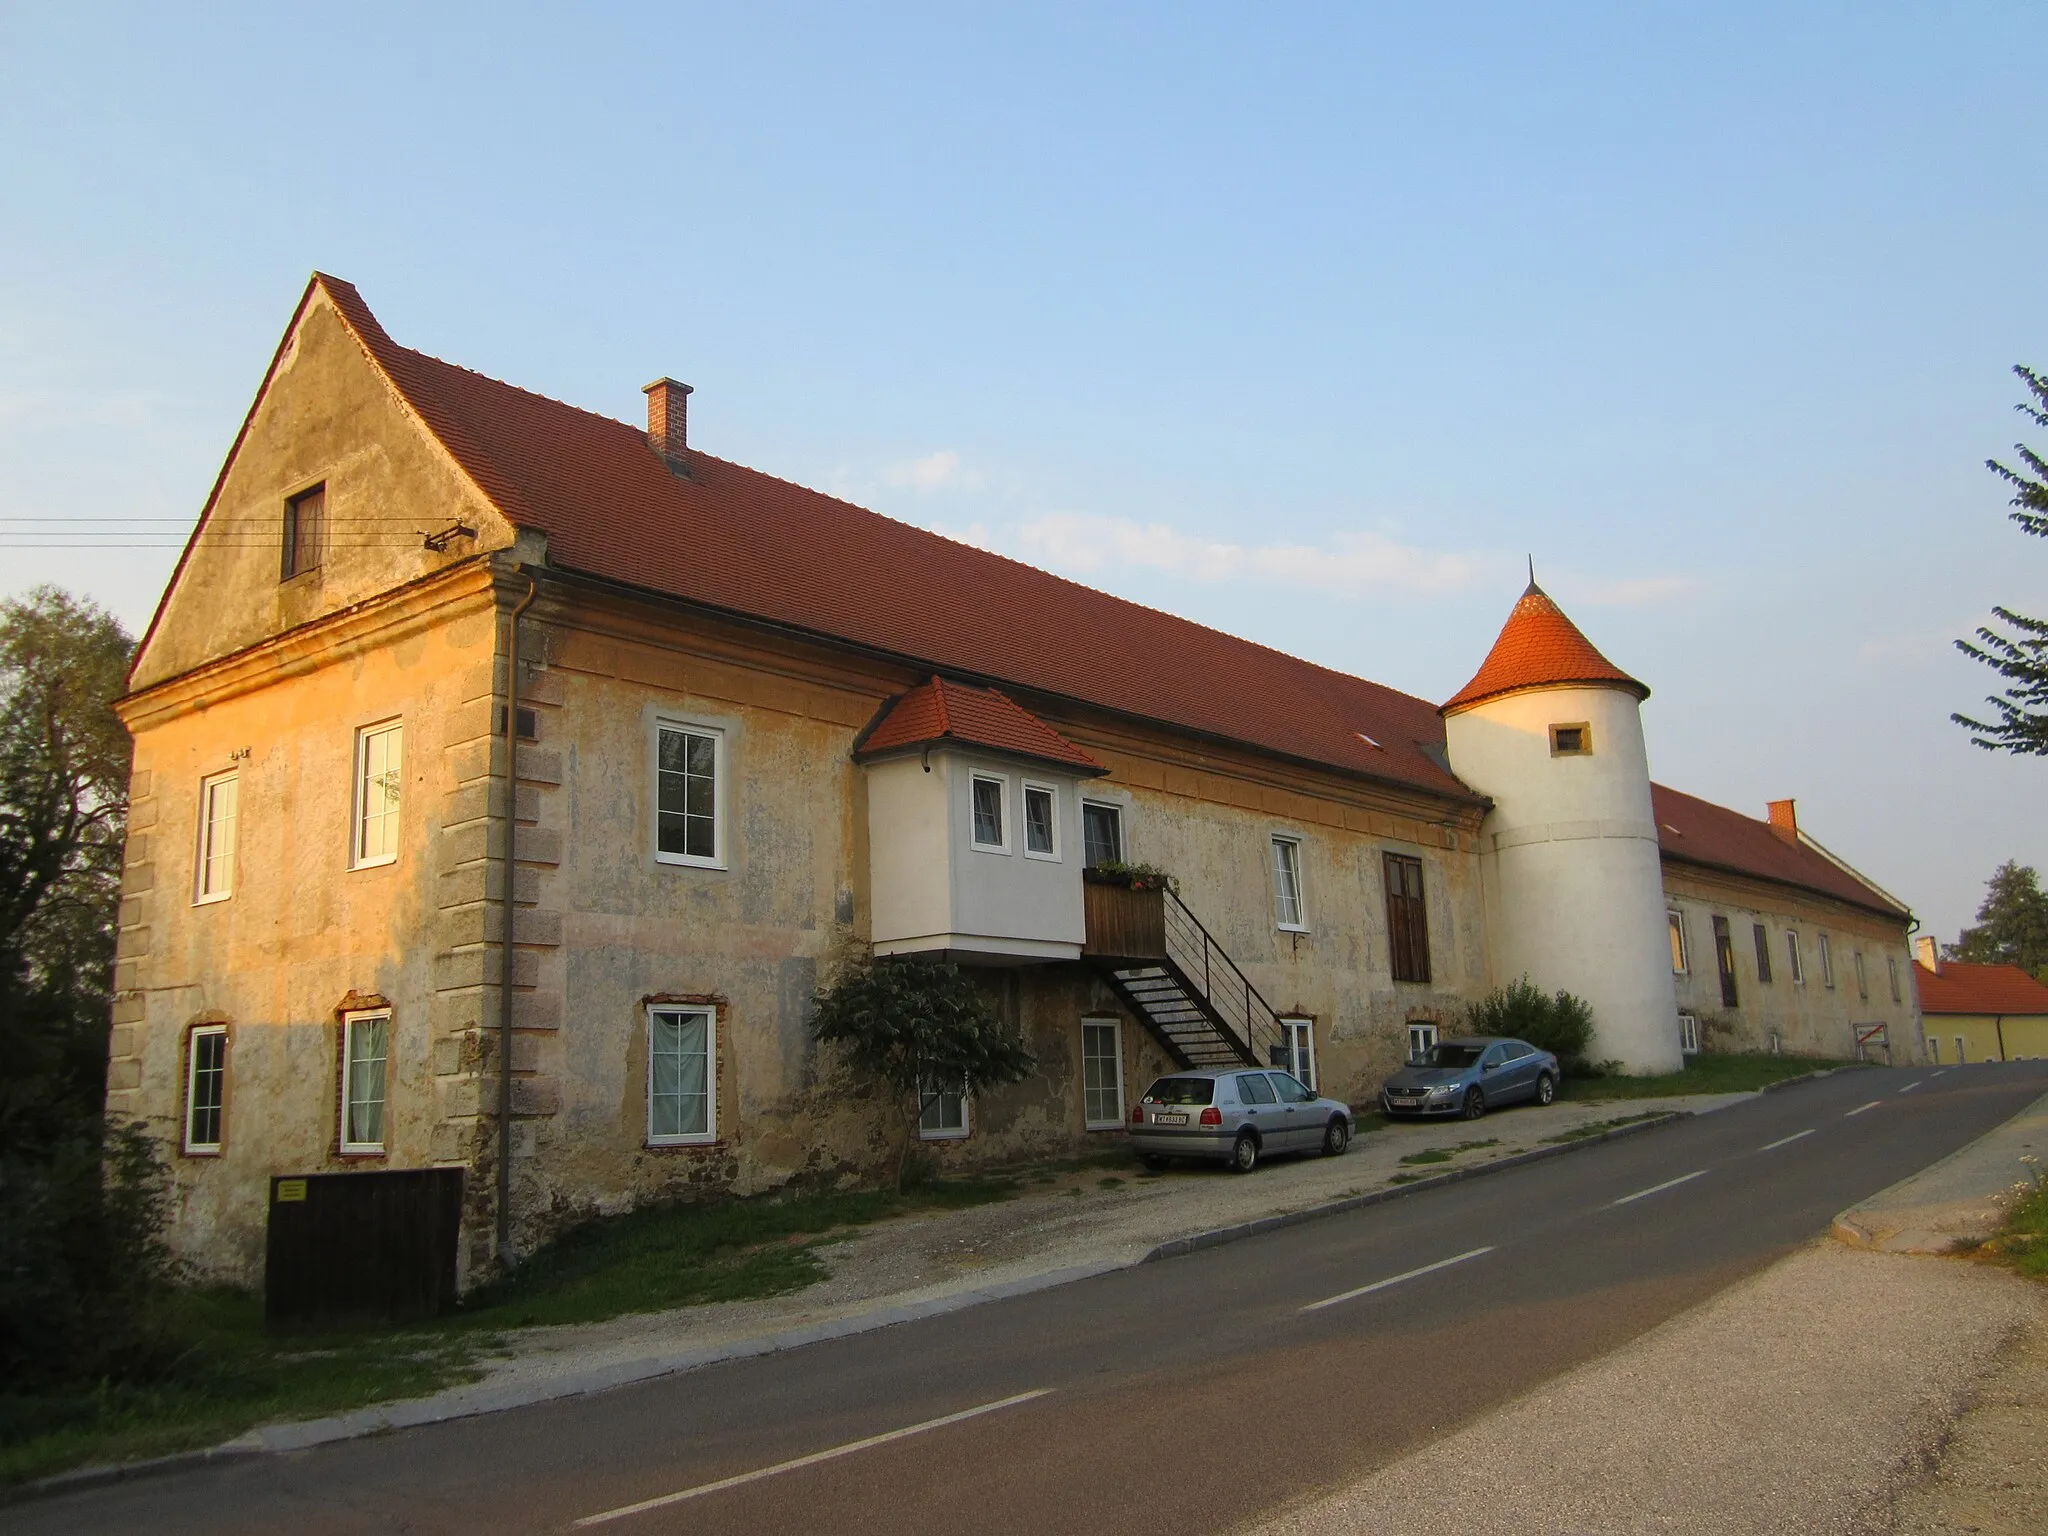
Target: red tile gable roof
{"points": [[1700, 832], [939, 711], [1995, 989], [732, 538], [1539, 647]]}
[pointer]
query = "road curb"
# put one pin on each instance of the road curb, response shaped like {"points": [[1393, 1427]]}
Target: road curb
{"points": [[1804, 1077], [79, 1479], [1176, 1247]]}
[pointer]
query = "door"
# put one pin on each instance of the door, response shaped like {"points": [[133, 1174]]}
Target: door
{"points": [[1494, 1082], [1523, 1065], [1261, 1108], [1298, 1123]]}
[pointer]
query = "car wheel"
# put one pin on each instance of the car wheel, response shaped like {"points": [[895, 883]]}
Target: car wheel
{"points": [[1475, 1104], [1546, 1089], [1154, 1161], [1244, 1156], [1336, 1137]]}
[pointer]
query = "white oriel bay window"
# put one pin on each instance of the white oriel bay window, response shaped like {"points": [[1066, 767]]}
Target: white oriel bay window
{"points": [[219, 798], [365, 1063], [1102, 1074], [1041, 821], [681, 1075], [987, 792], [206, 1077], [380, 776], [1287, 906], [942, 1112], [689, 788]]}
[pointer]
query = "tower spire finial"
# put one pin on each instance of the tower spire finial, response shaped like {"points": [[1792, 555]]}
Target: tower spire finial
{"points": [[1532, 576]]}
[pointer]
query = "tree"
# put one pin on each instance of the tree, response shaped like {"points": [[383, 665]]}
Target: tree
{"points": [[63, 817], [914, 1024], [2012, 923], [2021, 657], [1560, 1023]]}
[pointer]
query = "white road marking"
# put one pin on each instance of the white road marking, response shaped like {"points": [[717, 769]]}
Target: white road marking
{"points": [[1861, 1107], [808, 1461], [1944, 1069], [1786, 1141], [1667, 1184], [1381, 1285], [1912, 1085]]}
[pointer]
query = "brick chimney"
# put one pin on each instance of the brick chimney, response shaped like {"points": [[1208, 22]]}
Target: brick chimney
{"points": [[668, 422], [1926, 953], [1784, 820]]}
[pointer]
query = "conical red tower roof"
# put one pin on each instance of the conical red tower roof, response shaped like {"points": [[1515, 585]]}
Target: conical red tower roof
{"points": [[1540, 648]]}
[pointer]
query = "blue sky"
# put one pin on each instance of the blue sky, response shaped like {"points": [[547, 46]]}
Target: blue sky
{"points": [[1308, 322]]}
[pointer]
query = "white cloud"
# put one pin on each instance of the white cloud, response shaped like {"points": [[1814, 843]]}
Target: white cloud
{"points": [[1350, 563], [934, 472], [1635, 592]]}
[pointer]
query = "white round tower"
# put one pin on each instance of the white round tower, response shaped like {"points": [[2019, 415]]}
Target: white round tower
{"points": [[1551, 731]]}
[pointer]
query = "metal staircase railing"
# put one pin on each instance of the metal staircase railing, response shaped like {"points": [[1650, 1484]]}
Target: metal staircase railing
{"points": [[1228, 993]]}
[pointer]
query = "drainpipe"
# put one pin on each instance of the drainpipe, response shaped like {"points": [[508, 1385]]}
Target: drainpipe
{"points": [[505, 939], [1999, 1025]]}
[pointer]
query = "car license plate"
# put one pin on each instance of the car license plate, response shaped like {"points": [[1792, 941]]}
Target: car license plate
{"points": [[1404, 1103], [1169, 1119]]}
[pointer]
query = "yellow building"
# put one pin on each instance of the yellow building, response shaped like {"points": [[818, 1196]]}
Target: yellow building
{"points": [[1979, 1012], [753, 730]]}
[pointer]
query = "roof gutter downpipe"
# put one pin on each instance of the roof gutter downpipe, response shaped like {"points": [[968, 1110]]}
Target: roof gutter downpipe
{"points": [[505, 1256]]}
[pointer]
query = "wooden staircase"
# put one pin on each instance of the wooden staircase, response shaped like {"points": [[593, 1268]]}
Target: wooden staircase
{"points": [[1162, 962]]}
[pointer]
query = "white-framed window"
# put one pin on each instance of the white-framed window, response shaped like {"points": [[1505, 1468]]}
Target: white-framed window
{"points": [[1298, 1037], [380, 777], [1962, 1052], [1862, 982], [219, 808], [206, 1084], [1891, 965], [1102, 834], [682, 1076], [1827, 962], [942, 1112], [1794, 966], [988, 797], [689, 794], [1933, 1051], [1421, 1041], [1688, 1034], [1680, 962], [1041, 821], [365, 1074], [1102, 1074], [1288, 911]]}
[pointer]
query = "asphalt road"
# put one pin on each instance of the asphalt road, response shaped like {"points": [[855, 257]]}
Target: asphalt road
{"points": [[1187, 1395]]}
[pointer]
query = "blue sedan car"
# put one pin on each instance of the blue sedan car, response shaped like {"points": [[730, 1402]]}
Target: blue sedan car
{"points": [[1470, 1076]]}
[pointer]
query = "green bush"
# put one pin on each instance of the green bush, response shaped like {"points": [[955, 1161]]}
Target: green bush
{"points": [[1556, 1022]]}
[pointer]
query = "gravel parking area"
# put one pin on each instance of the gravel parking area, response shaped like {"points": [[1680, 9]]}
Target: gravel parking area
{"points": [[1814, 1397]]}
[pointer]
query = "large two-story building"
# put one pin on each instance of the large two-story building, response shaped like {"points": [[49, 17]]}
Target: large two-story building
{"points": [[442, 652]]}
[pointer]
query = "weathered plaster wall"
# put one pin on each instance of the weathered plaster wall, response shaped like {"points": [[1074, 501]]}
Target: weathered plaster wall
{"points": [[328, 415], [302, 931], [1809, 1018]]}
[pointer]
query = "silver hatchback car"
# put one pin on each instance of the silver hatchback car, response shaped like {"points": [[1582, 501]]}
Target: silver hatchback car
{"points": [[1235, 1117]]}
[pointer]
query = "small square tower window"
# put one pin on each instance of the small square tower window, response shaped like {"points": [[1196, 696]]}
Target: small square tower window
{"points": [[1575, 740]]}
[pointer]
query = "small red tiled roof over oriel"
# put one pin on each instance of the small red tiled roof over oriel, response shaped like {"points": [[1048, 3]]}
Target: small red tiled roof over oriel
{"points": [[939, 712], [1994, 989], [1540, 648]]}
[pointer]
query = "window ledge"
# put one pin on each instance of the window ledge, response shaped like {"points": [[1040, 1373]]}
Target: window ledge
{"points": [[1292, 927], [685, 861], [214, 900], [681, 1143], [943, 1135]]}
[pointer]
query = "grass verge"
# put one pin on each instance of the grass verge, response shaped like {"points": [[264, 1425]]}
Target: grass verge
{"points": [[1734, 1072], [1445, 1154], [225, 1372], [2022, 1243], [1599, 1127]]}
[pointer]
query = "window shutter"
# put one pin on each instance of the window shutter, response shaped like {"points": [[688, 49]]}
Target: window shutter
{"points": [[1407, 919]]}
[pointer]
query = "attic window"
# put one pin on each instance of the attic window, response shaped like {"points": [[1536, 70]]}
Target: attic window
{"points": [[305, 525], [1575, 740]]}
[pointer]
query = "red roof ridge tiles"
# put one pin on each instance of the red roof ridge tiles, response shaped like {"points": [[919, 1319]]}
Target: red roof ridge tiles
{"points": [[938, 712], [1716, 837], [1539, 647]]}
